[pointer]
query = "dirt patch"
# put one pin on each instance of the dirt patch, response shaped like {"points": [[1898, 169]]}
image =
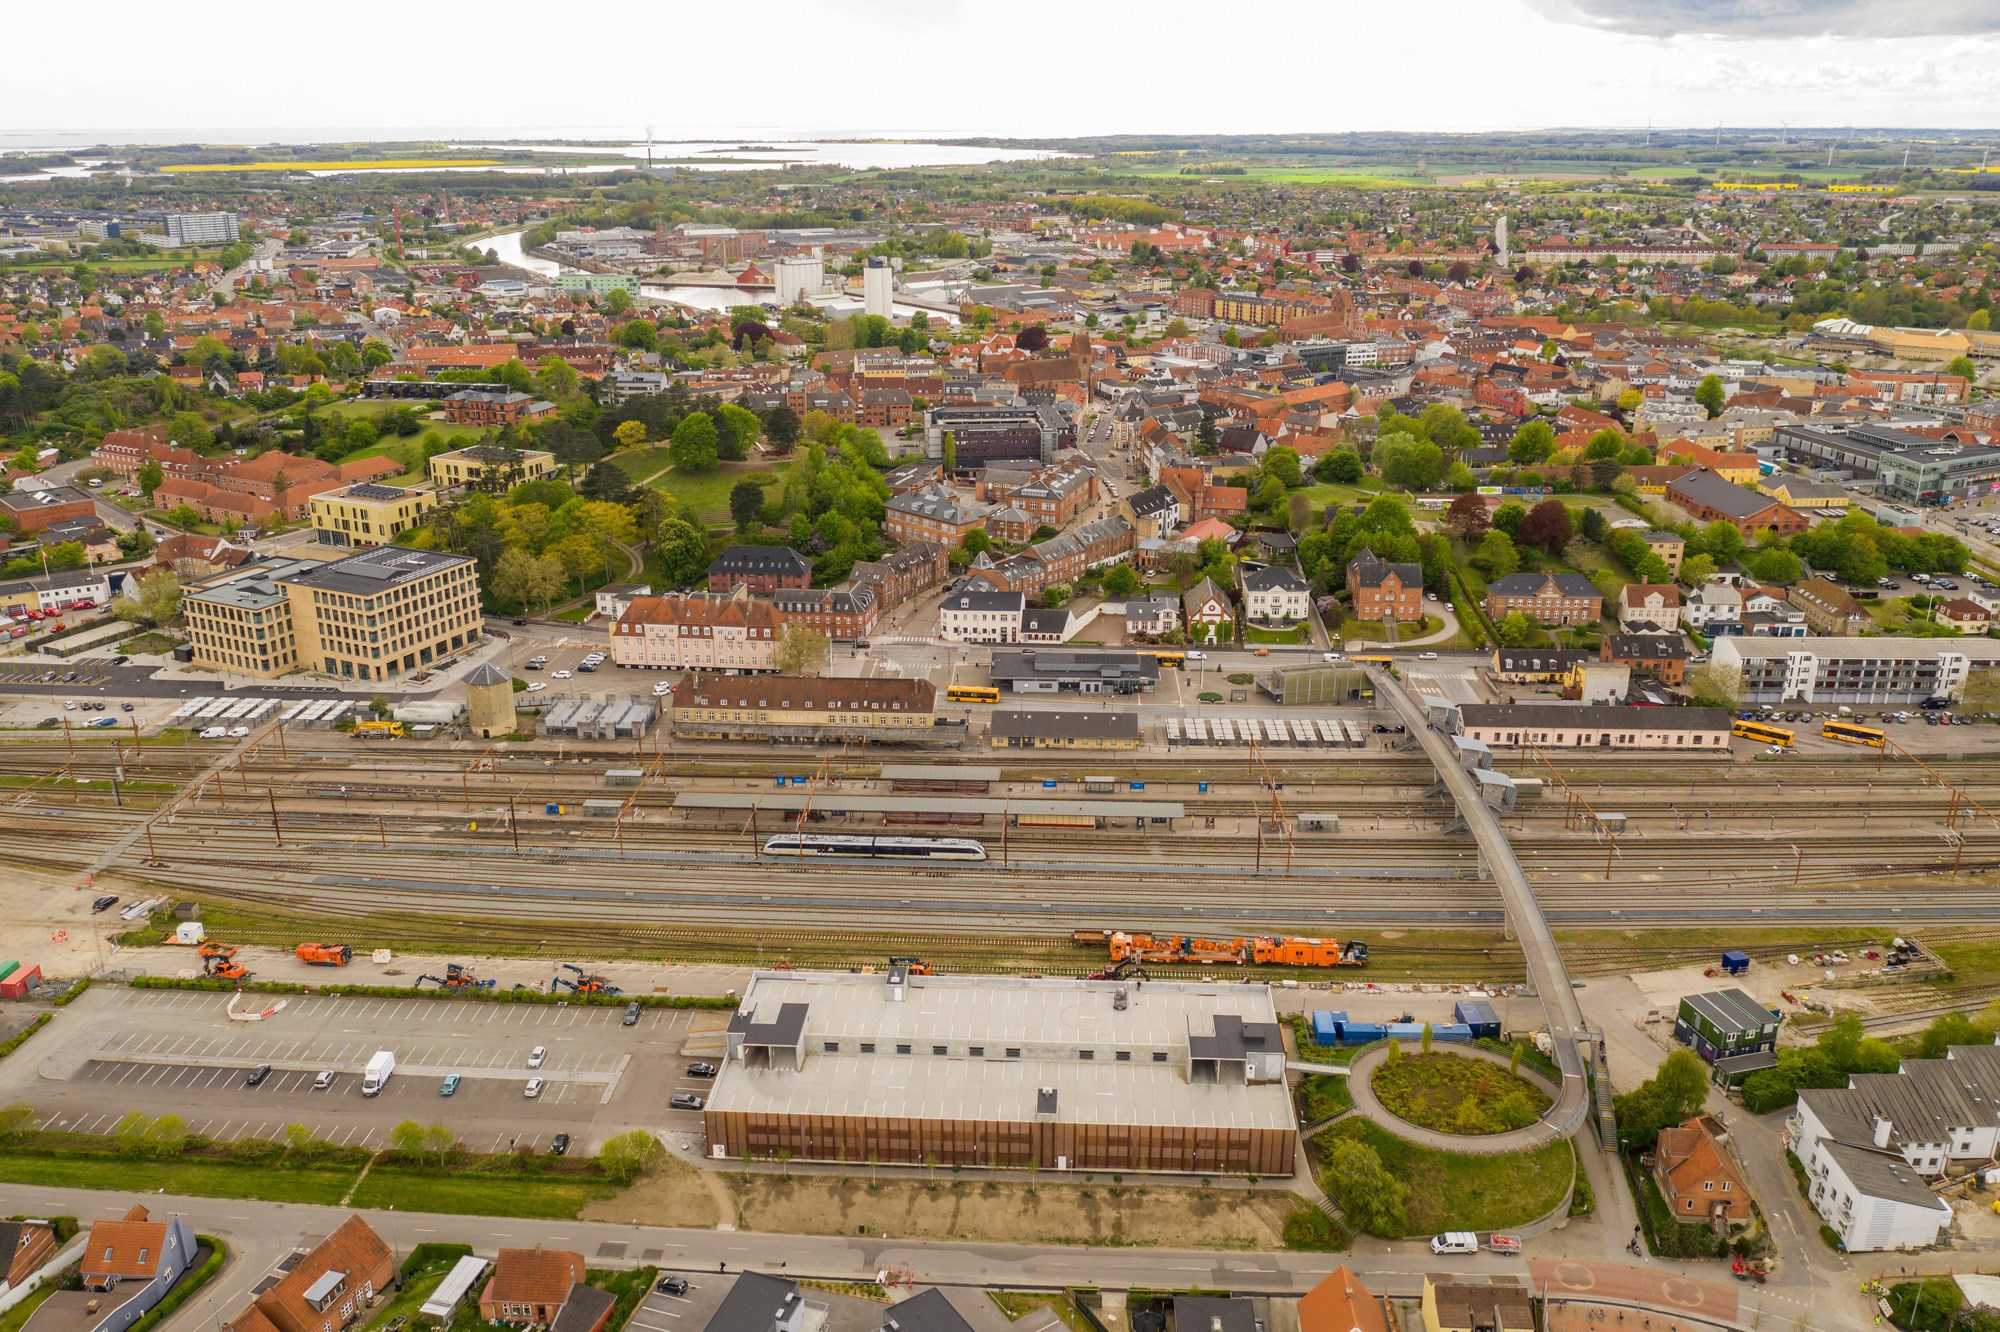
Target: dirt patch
{"points": [[1097, 1214], [673, 1193]]}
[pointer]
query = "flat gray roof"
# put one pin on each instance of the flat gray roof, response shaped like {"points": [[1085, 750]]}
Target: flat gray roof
{"points": [[372, 571], [936, 772], [1050, 1021], [1878, 649], [1731, 1010], [792, 801]]}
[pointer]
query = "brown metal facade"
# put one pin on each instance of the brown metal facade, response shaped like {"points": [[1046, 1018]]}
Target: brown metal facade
{"points": [[889, 1141]]}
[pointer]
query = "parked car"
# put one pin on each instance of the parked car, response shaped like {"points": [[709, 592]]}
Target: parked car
{"points": [[534, 1088], [671, 1285], [685, 1101], [562, 675], [631, 1018], [324, 1081], [104, 903], [537, 686], [257, 1076], [560, 1147], [537, 1055], [1455, 1241], [701, 1070], [449, 1087]]}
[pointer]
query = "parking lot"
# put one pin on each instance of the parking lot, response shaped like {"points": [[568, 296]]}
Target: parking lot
{"points": [[180, 1052]]}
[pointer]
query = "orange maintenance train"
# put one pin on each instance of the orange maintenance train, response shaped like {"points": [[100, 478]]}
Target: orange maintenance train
{"points": [[1287, 950]]}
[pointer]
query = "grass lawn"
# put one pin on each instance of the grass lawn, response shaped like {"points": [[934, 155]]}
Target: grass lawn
{"points": [[1257, 634], [551, 1196], [1433, 1091], [1454, 1191], [704, 495], [1324, 493], [17, 1317], [152, 641], [417, 1287], [206, 1179]]}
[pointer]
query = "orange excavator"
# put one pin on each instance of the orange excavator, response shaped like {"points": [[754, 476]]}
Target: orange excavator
{"points": [[325, 955], [1264, 950], [217, 963]]}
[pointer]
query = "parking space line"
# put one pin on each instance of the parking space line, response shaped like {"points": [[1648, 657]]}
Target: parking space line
{"points": [[44, 1126], [202, 1132]]}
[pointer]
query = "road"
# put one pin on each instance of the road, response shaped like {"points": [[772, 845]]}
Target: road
{"points": [[263, 1232]]}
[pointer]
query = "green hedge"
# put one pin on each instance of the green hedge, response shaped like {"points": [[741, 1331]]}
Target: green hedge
{"points": [[19, 1038], [185, 1288], [424, 1255], [76, 989], [492, 996]]}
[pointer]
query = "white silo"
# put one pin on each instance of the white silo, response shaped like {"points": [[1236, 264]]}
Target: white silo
{"points": [[800, 276], [878, 287]]}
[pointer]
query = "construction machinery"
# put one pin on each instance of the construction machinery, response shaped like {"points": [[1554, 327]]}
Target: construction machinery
{"points": [[1127, 968], [1287, 950], [457, 976], [211, 950], [584, 982], [324, 955], [218, 966], [912, 966]]}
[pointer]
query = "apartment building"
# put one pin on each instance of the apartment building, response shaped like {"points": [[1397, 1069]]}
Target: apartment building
{"points": [[370, 616], [845, 614], [1273, 594], [1829, 608], [697, 631], [124, 452], [1815, 669], [1545, 598], [758, 569], [1646, 607], [489, 467], [493, 410], [1051, 497], [981, 617], [1662, 656], [368, 514], [930, 515]]}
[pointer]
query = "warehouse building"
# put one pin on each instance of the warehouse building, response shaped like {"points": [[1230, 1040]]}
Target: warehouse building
{"points": [[1907, 466], [1724, 1024], [1045, 672], [1600, 726], [1894, 671], [1004, 1071]]}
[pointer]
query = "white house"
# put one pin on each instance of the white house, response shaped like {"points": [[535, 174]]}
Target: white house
{"points": [[1649, 608], [613, 601], [1712, 603], [1871, 1149], [1152, 614], [1274, 595], [981, 617]]}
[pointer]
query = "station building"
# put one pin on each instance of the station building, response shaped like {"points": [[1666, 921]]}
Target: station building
{"points": [[809, 708], [1594, 726], [1004, 1071]]}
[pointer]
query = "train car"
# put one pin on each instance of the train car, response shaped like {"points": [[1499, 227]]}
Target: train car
{"points": [[875, 848]]}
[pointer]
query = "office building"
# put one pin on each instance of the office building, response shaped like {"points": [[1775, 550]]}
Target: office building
{"points": [[490, 467], [1893, 671], [369, 514], [1909, 467], [375, 615], [201, 228], [988, 434], [986, 1071]]}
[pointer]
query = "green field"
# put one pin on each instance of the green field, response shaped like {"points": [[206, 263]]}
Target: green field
{"points": [[407, 450], [206, 1179], [474, 1194], [705, 495]]}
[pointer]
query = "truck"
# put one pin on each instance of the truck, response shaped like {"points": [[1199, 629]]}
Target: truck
{"points": [[381, 1065]]}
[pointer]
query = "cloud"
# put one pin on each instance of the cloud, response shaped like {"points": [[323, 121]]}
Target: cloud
{"points": [[1752, 19]]}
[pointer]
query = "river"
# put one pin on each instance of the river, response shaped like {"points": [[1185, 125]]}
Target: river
{"points": [[507, 248]]}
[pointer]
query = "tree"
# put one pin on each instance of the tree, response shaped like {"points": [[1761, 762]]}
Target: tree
{"points": [[1340, 467], [1283, 463], [746, 504], [1674, 1093], [1121, 581], [1495, 556], [694, 444], [1516, 630], [1774, 564], [800, 650], [1467, 517], [1547, 528], [682, 551], [736, 429], [407, 1139], [135, 543], [150, 477], [629, 434], [781, 428], [183, 516], [1409, 462], [1594, 526], [155, 599], [625, 1156], [1056, 595], [949, 455], [1711, 395], [1980, 321], [1534, 442], [1962, 367], [1372, 1198], [1713, 686]]}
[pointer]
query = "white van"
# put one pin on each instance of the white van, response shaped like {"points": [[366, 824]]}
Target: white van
{"points": [[1455, 1241]]}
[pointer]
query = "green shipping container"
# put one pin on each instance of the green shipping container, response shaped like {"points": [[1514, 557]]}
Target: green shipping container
{"points": [[8, 968]]}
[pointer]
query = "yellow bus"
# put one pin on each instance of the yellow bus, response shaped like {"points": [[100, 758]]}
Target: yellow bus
{"points": [[972, 693], [1850, 734], [378, 730], [1762, 734], [1173, 657], [1371, 658]]}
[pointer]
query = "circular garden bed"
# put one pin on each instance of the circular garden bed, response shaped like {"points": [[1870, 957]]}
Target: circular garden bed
{"points": [[1454, 1093]]}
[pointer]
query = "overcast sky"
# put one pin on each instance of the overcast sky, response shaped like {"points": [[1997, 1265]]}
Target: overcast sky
{"points": [[955, 66]]}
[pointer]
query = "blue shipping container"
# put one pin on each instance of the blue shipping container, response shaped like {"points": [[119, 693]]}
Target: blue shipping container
{"points": [[1361, 1033], [1735, 961], [1326, 1028], [1478, 1015], [1452, 1031], [1406, 1031]]}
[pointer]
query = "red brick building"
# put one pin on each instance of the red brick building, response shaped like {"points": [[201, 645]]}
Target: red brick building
{"points": [[760, 569], [1381, 591]]}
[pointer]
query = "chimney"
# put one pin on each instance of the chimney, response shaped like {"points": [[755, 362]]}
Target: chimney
{"points": [[1882, 1126]]}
